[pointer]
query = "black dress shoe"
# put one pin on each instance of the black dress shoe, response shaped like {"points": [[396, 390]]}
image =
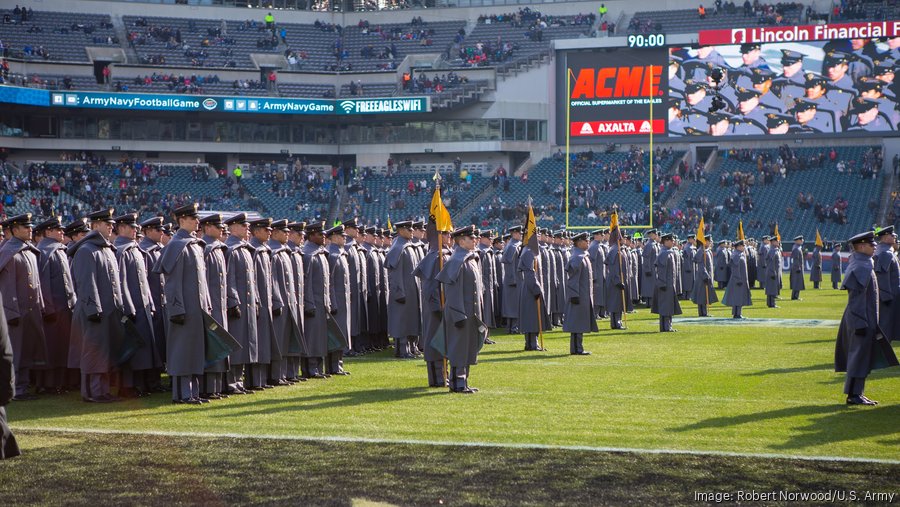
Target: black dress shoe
{"points": [[203, 400], [236, 391], [488, 341], [582, 353], [318, 376], [465, 390], [106, 398], [860, 400], [25, 397], [863, 396], [256, 388], [342, 372]]}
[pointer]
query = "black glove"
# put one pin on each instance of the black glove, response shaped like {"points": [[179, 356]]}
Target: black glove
{"points": [[575, 300], [861, 331], [647, 273], [709, 283], [886, 303], [276, 312], [257, 312], [537, 297], [309, 313], [13, 322], [663, 289], [97, 317], [459, 324], [132, 317], [334, 311], [177, 319], [620, 285], [771, 278], [50, 317], [740, 284], [402, 301], [234, 312]]}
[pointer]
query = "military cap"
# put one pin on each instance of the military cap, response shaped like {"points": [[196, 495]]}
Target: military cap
{"points": [[80, 225], [691, 236], [674, 102], [775, 120], [800, 238], [716, 117], [261, 223], [666, 237], [869, 83], [506, 237], [580, 237], [497, 239], [168, 229], [405, 224], [280, 225], [749, 46], [721, 242], [337, 229], [651, 231], [789, 57], [350, 223], [296, 226], [188, 210], [861, 105], [369, 230], [240, 218], [760, 75], [152, 223], [693, 87], [596, 231], [418, 225], [801, 105], [746, 93], [833, 58], [468, 230], [885, 231], [515, 228], [813, 80], [313, 227], [675, 59], [103, 215], [126, 219], [883, 67], [383, 232], [212, 219], [864, 237], [739, 242], [50, 223], [487, 233]]}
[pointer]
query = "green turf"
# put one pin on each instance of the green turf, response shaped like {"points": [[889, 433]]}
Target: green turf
{"points": [[752, 389], [80, 469]]}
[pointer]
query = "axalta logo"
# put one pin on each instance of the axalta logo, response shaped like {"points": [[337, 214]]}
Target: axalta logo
{"points": [[617, 128], [210, 104], [646, 128], [586, 129], [610, 82]]}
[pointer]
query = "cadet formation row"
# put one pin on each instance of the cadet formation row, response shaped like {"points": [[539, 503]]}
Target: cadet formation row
{"points": [[297, 298]]}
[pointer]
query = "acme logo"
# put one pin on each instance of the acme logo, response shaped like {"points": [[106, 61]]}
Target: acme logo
{"points": [[610, 82]]}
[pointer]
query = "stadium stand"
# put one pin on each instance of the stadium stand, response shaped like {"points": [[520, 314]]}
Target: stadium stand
{"points": [[689, 20], [54, 36]]}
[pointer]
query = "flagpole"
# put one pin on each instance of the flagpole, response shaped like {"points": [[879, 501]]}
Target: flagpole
{"points": [[440, 253]]}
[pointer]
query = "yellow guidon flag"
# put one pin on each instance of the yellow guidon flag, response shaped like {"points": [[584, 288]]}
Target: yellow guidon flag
{"points": [[740, 230], [615, 235], [701, 237], [530, 239], [438, 221], [819, 242], [777, 234]]}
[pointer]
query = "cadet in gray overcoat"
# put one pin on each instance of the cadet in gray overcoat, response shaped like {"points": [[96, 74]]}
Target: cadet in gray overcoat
{"points": [[20, 281], [580, 313], [243, 303], [512, 279], [836, 266], [648, 265], [214, 253], [665, 301], [489, 279], [773, 273], [887, 270], [151, 247], [432, 309], [339, 262], [316, 302], [861, 345], [270, 305], [815, 272], [531, 322], [59, 300], [798, 256], [403, 311], [737, 293], [187, 298], [704, 294], [461, 279]]}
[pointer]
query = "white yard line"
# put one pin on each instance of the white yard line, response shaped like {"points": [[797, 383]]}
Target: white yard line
{"points": [[586, 448]]}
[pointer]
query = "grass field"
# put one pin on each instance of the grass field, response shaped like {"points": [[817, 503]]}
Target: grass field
{"points": [[763, 387]]}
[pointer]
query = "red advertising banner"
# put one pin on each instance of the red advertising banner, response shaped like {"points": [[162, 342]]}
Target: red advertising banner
{"points": [[763, 34], [617, 128]]}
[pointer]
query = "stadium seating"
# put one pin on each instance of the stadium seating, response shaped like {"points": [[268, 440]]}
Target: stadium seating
{"points": [[688, 20], [63, 34], [770, 201]]}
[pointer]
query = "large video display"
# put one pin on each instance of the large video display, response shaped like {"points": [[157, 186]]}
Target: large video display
{"points": [[609, 93], [816, 87]]}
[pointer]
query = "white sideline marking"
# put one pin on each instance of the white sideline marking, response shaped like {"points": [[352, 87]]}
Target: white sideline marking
{"points": [[728, 321], [587, 448]]}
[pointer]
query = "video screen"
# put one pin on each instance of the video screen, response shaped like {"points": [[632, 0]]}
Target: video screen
{"points": [[820, 87]]}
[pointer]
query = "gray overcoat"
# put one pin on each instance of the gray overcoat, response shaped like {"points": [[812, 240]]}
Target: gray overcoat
{"points": [[579, 284], [242, 294], [737, 292]]}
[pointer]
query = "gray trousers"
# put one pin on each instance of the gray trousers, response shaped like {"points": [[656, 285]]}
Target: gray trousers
{"points": [[23, 376], [94, 385], [459, 377], [736, 311], [854, 386], [213, 383], [435, 373], [185, 387], [236, 376], [665, 323], [615, 320], [334, 362], [311, 366], [702, 311], [256, 374], [576, 343]]}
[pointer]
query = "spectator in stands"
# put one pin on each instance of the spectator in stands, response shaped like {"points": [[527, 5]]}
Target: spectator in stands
{"points": [[270, 22], [701, 11], [603, 10]]}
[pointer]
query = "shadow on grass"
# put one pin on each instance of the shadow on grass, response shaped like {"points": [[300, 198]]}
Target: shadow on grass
{"points": [[530, 357], [798, 369], [823, 424]]}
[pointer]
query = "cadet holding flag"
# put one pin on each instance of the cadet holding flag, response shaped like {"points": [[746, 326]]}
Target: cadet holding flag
{"points": [[580, 316], [617, 275], [461, 281], [531, 298], [704, 293], [773, 271], [815, 274]]}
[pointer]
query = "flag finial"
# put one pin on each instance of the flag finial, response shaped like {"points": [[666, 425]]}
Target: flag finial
{"points": [[437, 178]]}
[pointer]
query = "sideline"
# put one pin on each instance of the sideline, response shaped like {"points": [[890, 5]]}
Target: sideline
{"points": [[586, 448], [727, 321]]}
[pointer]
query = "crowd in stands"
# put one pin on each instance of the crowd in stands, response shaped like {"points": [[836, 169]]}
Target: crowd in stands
{"points": [[294, 180], [436, 84], [763, 13], [853, 9], [177, 84]]}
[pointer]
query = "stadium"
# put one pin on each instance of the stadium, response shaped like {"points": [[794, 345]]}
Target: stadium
{"points": [[628, 123]]}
